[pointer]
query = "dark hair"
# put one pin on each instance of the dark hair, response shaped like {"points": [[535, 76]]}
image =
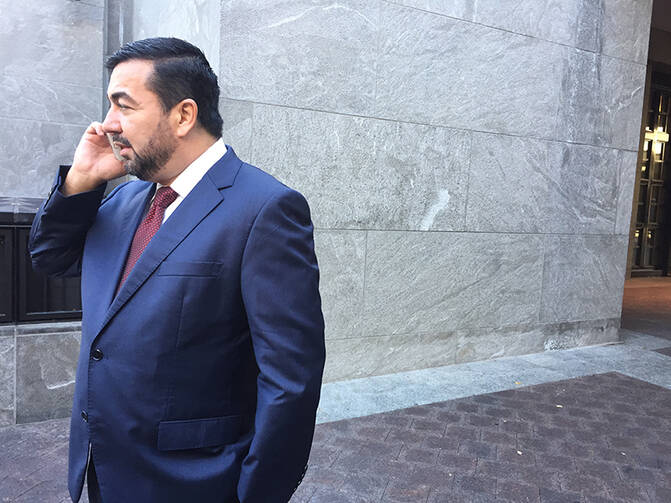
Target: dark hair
{"points": [[180, 71]]}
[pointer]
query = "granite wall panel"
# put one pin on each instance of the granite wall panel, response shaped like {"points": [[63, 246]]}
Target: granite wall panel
{"points": [[625, 28], [474, 345], [459, 9], [361, 357], [622, 88], [197, 21], [315, 54], [583, 333], [341, 256], [626, 179], [430, 282], [60, 41], [368, 356], [569, 22], [7, 379], [553, 20], [237, 130], [526, 185], [618, 28], [30, 154], [360, 173], [45, 375], [583, 277], [438, 70], [48, 101], [602, 100], [51, 76]]}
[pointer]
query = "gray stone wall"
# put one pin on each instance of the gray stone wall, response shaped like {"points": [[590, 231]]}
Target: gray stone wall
{"points": [[470, 166], [50, 75], [195, 20]]}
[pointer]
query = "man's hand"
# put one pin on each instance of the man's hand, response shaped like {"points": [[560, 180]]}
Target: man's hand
{"points": [[94, 162]]}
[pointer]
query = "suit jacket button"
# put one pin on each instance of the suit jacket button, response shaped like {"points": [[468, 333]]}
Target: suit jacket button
{"points": [[97, 355], [85, 416]]}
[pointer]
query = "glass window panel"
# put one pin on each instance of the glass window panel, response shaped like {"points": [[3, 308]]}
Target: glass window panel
{"points": [[648, 247], [638, 237], [41, 297], [640, 213], [643, 194], [6, 274], [656, 169]]}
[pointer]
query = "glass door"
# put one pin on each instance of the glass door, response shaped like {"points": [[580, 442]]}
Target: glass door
{"points": [[652, 223]]}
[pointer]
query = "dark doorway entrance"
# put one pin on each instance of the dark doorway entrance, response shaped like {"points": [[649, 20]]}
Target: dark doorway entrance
{"points": [[652, 232]]}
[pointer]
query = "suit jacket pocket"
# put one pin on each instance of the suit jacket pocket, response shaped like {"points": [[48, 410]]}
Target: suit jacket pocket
{"points": [[196, 433], [175, 268]]}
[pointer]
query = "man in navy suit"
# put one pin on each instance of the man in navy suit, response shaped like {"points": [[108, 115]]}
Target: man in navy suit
{"points": [[202, 345]]}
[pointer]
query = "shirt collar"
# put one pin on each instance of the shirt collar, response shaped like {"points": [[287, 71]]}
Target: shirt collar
{"points": [[193, 173]]}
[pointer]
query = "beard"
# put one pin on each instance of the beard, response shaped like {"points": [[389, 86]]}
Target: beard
{"points": [[158, 151]]}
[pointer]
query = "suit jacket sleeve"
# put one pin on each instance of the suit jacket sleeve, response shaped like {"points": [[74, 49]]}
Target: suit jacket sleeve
{"points": [[280, 289], [59, 229]]}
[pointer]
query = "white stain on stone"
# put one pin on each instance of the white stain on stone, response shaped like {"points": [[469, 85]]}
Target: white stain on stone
{"points": [[327, 8], [438, 206], [58, 370], [291, 19], [57, 385], [344, 7], [552, 345]]}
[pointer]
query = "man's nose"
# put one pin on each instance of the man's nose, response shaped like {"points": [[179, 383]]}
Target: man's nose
{"points": [[111, 124]]}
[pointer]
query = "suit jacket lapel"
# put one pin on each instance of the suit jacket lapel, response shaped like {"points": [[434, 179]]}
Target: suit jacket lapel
{"points": [[103, 276]]}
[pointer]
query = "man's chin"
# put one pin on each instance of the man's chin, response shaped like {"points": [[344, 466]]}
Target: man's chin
{"points": [[141, 174], [132, 170]]}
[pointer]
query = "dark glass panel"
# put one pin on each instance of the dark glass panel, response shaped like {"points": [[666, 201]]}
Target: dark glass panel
{"points": [[6, 274], [42, 297]]}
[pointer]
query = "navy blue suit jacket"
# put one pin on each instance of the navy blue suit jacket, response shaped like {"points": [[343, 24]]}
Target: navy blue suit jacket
{"points": [[200, 380]]}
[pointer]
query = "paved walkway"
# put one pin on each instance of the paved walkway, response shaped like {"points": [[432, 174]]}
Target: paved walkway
{"points": [[33, 462], [646, 306], [583, 425], [600, 438]]}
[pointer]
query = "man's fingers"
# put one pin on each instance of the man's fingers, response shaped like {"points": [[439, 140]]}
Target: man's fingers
{"points": [[95, 128]]}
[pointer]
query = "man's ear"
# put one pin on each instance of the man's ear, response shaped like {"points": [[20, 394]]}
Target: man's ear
{"points": [[185, 114]]}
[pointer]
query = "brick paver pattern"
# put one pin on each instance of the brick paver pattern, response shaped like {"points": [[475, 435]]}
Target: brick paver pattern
{"points": [[597, 438]]}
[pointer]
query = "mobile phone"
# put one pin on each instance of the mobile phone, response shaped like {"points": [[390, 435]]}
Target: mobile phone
{"points": [[115, 149]]}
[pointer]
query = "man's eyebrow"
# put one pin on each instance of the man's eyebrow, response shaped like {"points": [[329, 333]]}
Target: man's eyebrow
{"points": [[115, 97]]}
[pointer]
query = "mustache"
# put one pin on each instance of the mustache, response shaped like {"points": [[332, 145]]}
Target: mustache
{"points": [[120, 139]]}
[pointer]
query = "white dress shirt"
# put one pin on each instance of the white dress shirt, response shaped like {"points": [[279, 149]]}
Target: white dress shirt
{"points": [[192, 174]]}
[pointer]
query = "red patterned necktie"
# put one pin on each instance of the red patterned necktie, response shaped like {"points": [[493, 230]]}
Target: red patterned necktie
{"points": [[164, 197]]}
